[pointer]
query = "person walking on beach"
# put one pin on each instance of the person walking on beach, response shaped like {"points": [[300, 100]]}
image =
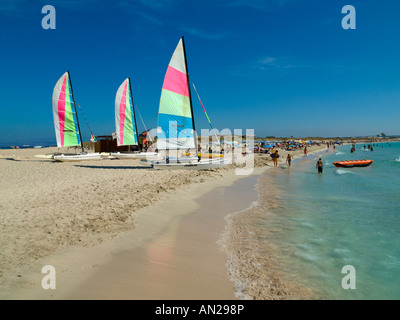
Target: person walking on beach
{"points": [[289, 159], [320, 166], [305, 150], [275, 157]]}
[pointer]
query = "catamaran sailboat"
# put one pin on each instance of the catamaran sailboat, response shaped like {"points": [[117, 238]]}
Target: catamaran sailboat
{"points": [[68, 132], [176, 126], [125, 124]]}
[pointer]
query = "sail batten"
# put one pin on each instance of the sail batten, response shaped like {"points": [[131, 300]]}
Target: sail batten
{"points": [[124, 116], [175, 117]]}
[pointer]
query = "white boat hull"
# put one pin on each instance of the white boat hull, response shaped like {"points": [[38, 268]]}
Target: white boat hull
{"points": [[74, 157], [204, 164], [138, 155]]}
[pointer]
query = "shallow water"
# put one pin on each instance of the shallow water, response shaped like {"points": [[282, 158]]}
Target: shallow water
{"points": [[342, 217]]}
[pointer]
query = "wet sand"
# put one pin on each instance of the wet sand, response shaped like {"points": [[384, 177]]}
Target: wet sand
{"points": [[182, 262]]}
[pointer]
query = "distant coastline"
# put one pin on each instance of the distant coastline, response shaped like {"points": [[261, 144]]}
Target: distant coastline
{"points": [[25, 146], [359, 139]]}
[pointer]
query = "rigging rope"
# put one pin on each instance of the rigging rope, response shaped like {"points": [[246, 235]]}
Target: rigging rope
{"points": [[85, 119], [143, 122], [209, 121]]}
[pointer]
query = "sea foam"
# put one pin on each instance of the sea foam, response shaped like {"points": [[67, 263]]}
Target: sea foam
{"points": [[341, 171]]}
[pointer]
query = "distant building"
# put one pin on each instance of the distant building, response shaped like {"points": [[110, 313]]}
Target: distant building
{"points": [[109, 144]]}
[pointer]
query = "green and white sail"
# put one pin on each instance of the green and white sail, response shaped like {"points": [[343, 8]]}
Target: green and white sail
{"points": [[125, 122]]}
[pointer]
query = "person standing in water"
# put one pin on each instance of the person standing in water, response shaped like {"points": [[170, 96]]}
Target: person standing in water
{"points": [[320, 166], [289, 159]]}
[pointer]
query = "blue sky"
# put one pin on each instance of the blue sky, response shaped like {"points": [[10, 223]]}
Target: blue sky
{"points": [[280, 67]]}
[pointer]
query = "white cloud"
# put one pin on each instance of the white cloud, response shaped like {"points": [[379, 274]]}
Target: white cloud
{"points": [[205, 35], [272, 63], [267, 61], [254, 4], [148, 18], [155, 4]]}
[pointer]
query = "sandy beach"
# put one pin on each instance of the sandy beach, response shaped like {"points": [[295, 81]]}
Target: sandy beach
{"points": [[146, 234]]}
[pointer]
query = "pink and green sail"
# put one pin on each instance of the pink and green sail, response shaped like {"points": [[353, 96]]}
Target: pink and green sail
{"points": [[175, 118], [63, 113], [124, 117]]}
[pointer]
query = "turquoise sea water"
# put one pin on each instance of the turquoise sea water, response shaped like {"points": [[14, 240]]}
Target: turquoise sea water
{"points": [[343, 217]]}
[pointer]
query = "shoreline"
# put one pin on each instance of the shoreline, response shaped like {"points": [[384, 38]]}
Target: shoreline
{"points": [[21, 281], [252, 258]]}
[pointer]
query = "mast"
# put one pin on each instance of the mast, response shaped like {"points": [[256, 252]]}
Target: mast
{"points": [[133, 110], [76, 112], [190, 98]]}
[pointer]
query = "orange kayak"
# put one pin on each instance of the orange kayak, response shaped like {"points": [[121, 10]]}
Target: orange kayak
{"points": [[353, 163]]}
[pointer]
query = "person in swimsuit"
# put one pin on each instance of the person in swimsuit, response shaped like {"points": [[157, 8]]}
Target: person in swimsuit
{"points": [[275, 157], [320, 166], [289, 159]]}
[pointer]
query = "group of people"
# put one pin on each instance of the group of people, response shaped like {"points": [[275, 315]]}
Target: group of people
{"points": [[353, 148], [265, 147], [369, 148], [275, 157]]}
